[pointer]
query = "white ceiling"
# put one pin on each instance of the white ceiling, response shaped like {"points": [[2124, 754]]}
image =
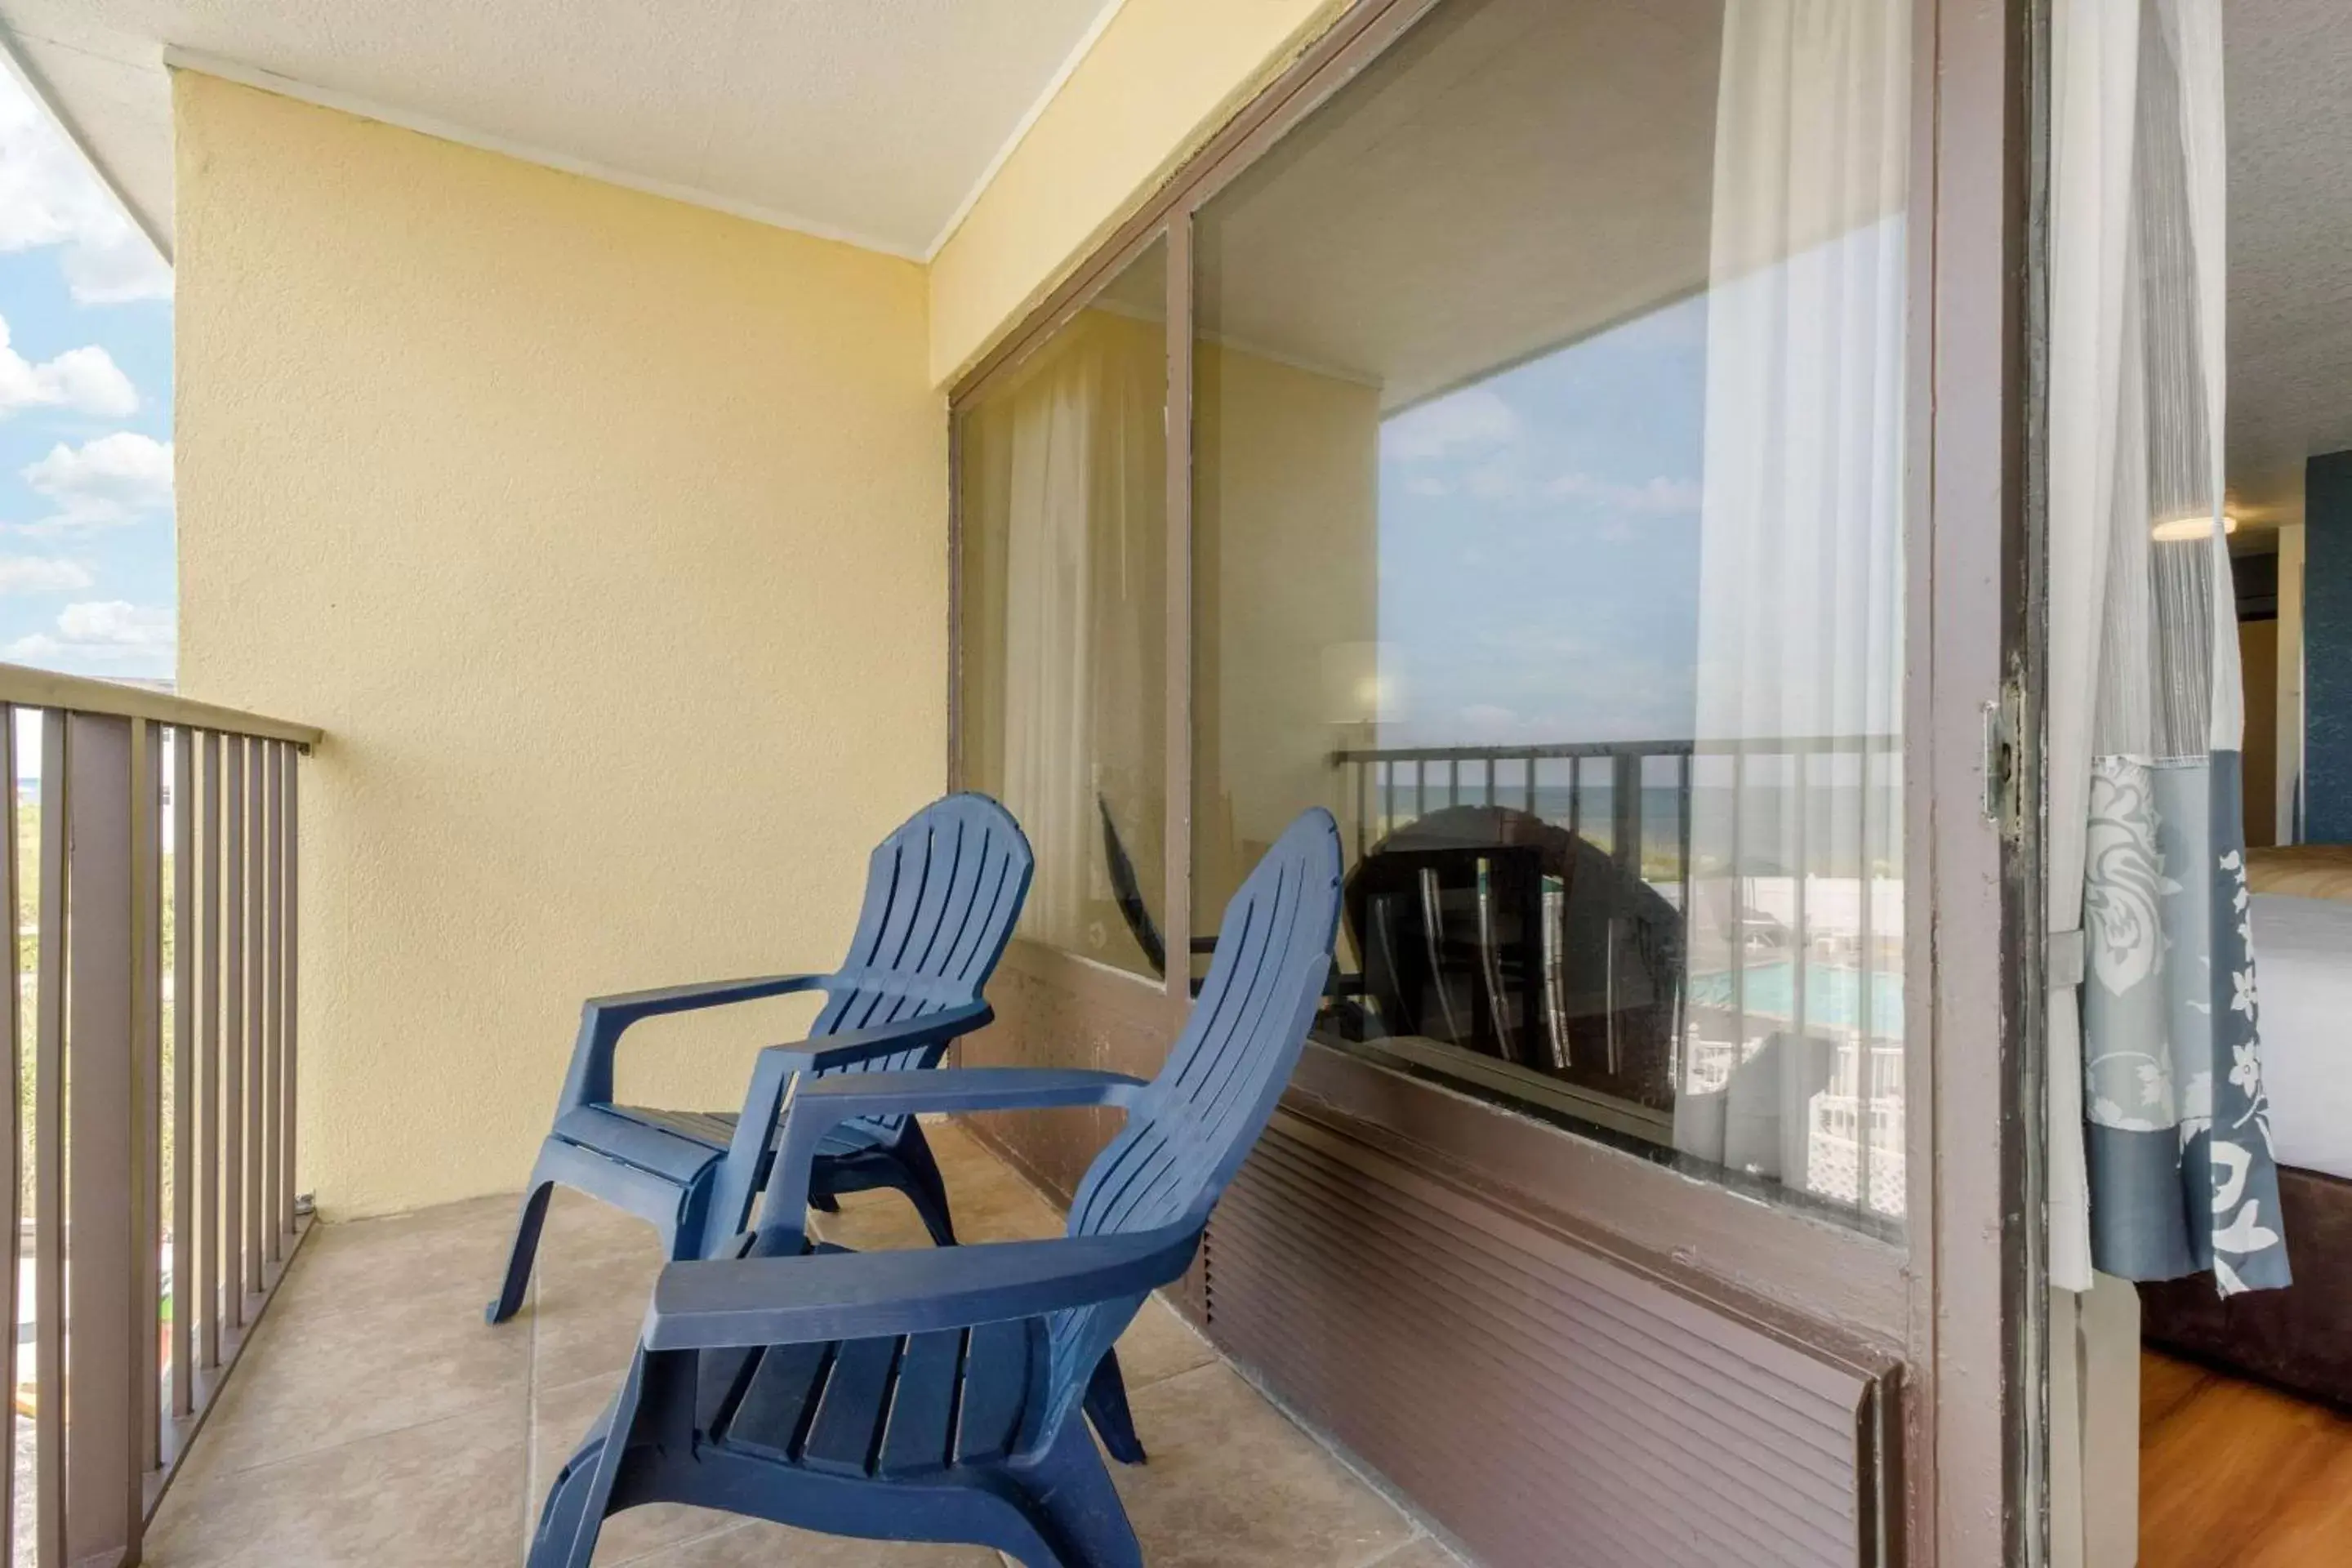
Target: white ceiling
{"points": [[872, 121], [876, 120], [2290, 88], [1511, 178]]}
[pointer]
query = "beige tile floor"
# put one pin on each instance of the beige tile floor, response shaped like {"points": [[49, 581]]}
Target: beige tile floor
{"points": [[376, 1420]]}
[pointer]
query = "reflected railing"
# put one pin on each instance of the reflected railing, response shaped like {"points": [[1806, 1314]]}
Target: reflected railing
{"points": [[1781, 924], [1392, 787]]}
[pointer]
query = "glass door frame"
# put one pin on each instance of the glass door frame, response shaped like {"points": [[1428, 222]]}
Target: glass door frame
{"points": [[1960, 1300]]}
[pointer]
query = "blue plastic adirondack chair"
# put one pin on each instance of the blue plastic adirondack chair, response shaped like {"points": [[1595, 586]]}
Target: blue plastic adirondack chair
{"points": [[928, 1396], [941, 896]]}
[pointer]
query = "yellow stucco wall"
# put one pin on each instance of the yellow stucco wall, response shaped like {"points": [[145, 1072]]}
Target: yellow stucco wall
{"points": [[606, 539], [1159, 82]]}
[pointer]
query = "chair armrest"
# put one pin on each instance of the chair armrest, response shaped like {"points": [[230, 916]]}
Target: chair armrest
{"points": [[820, 1104], [853, 1046], [702, 994], [871, 1295], [789, 1071], [602, 1019], [833, 1101]]}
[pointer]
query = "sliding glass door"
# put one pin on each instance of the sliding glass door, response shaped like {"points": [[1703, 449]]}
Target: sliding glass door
{"points": [[1581, 446], [1549, 529]]}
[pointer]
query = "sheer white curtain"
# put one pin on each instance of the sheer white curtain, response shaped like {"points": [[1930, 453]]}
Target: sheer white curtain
{"points": [[1049, 637], [1084, 494], [1795, 917]]}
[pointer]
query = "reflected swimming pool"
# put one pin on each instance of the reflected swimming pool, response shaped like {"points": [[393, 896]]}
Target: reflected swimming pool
{"points": [[1832, 996]]}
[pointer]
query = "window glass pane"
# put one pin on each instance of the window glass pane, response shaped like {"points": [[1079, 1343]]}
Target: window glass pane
{"points": [[1063, 665], [1548, 531]]}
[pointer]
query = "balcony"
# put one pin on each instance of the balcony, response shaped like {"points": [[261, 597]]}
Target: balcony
{"points": [[660, 450], [320, 1394], [377, 1421]]}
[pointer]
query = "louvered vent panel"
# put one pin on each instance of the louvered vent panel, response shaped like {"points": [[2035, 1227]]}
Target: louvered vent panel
{"points": [[1547, 1406]]}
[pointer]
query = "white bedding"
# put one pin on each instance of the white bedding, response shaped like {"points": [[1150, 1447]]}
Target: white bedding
{"points": [[2303, 959]]}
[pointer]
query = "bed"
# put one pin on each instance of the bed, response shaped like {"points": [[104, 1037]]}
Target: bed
{"points": [[2300, 1338]]}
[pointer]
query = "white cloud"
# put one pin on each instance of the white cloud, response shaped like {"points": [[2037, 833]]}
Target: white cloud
{"points": [[1495, 481], [1475, 419], [49, 195], [115, 623], [1488, 718], [41, 574], [1660, 497], [85, 380], [113, 480], [109, 634]]}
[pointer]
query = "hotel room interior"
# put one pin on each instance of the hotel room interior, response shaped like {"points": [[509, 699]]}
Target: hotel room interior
{"points": [[2244, 1387]]}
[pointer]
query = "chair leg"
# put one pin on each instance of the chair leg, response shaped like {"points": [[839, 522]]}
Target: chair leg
{"points": [[1105, 1406], [526, 1247], [573, 1517], [558, 1520], [924, 1187], [1077, 1509]]}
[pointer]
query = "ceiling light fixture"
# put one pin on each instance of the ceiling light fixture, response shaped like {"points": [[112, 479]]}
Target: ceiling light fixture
{"points": [[2190, 525]]}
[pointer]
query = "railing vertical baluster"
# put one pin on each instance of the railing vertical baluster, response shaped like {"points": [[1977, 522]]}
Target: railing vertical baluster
{"points": [[233, 1038], [147, 1042], [208, 1048], [1799, 1001], [103, 1179], [1453, 781], [1738, 872], [48, 1155], [271, 972], [289, 989], [1686, 776], [1363, 808], [11, 1116], [1683, 825], [1420, 790], [256, 1097], [1865, 1087], [1576, 796], [187, 921], [1531, 784], [1625, 810]]}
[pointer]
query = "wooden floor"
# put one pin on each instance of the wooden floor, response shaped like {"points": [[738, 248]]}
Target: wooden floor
{"points": [[2234, 1476]]}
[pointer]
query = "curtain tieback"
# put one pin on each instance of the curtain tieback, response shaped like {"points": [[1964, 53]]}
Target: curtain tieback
{"points": [[2063, 958]]}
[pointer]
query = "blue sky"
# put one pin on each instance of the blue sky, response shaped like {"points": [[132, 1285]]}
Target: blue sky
{"points": [[1540, 546], [87, 580]]}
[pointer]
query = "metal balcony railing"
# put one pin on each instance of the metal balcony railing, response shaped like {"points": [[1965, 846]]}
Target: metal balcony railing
{"points": [[1600, 790], [159, 1069]]}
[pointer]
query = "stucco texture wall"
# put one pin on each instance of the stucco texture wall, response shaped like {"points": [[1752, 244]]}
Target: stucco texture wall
{"points": [[606, 539], [1159, 82]]}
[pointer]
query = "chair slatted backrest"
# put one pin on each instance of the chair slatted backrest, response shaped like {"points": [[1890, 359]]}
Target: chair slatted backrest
{"points": [[1188, 1132], [943, 893]]}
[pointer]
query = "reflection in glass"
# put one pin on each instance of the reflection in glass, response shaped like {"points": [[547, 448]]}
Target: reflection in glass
{"points": [[1063, 630], [1548, 473]]}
